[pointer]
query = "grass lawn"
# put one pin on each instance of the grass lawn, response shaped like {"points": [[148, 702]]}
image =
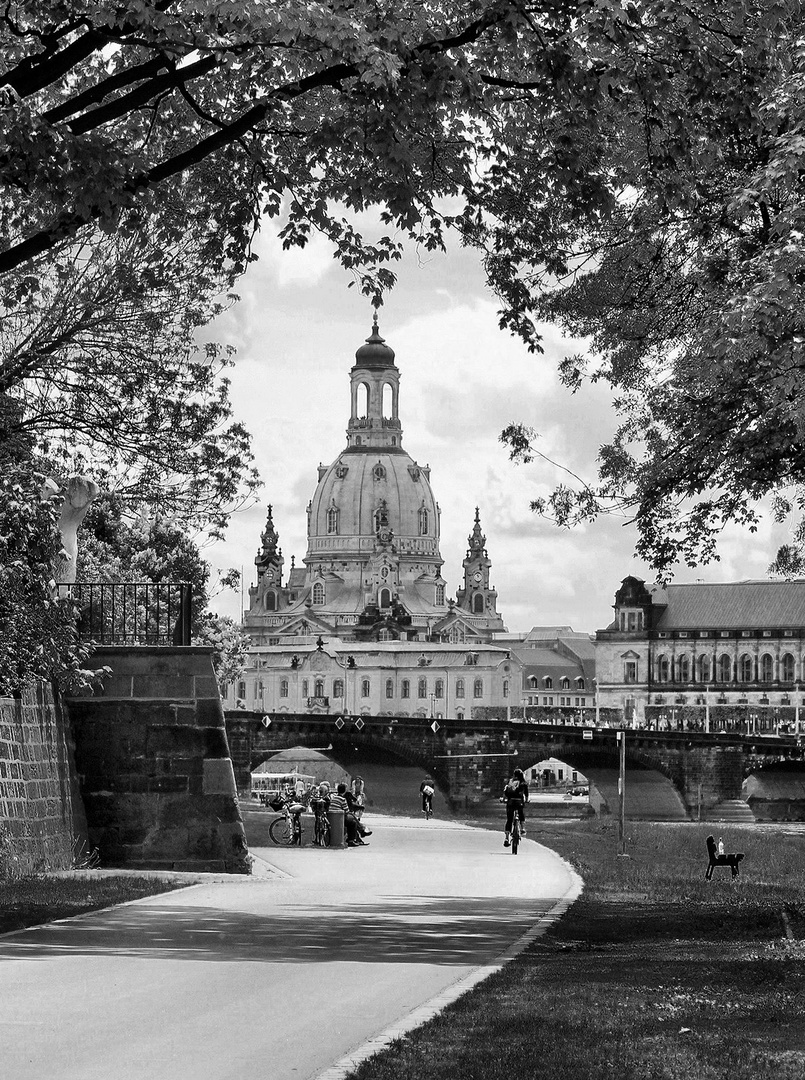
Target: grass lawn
{"points": [[654, 973], [29, 901]]}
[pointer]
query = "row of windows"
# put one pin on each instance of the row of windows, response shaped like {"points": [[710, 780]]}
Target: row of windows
{"points": [[579, 702], [381, 517], [422, 688], [724, 669], [547, 683]]}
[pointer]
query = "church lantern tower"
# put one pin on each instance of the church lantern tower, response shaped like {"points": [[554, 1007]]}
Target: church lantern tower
{"points": [[267, 593]]}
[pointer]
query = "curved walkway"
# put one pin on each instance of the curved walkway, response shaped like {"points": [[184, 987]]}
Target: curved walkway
{"points": [[280, 976]]}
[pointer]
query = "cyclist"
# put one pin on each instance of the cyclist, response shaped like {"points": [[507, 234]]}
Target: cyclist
{"points": [[426, 789], [515, 795]]}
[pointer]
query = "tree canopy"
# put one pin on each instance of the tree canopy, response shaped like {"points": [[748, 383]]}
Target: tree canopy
{"points": [[630, 168]]}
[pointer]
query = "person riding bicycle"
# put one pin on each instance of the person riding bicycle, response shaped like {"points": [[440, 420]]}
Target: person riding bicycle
{"points": [[426, 790], [515, 795]]}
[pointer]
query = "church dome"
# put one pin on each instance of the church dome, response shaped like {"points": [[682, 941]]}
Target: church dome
{"points": [[375, 353], [364, 490]]}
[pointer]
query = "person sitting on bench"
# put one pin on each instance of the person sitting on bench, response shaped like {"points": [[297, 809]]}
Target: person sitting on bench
{"points": [[730, 859]]}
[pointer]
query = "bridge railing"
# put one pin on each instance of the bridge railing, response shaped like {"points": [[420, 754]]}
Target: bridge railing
{"points": [[131, 612]]}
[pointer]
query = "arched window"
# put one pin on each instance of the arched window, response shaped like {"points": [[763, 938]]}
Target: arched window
{"points": [[683, 668], [662, 668], [547, 683], [787, 668], [283, 687], [459, 688], [423, 521], [438, 688], [405, 688], [564, 683], [766, 668], [271, 601], [318, 688], [533, 682], [332, 520], [505, 687], [703, 669], [357, 440], [362, 401], [422, 688], [478, 688], [439, 595], [385, 635], [384, 598], [725, 668], [338, 688], [579, 682], [366, 688], [745, 668], [478, 604], [318, 593], [388, 400], [389, 688]]}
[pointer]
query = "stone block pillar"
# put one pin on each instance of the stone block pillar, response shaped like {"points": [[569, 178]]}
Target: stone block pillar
{"points": [[154, 764]]}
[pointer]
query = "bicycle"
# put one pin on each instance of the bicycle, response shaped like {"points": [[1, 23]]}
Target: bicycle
{"points": [[286, 831], [515, 833], [321, 827]]}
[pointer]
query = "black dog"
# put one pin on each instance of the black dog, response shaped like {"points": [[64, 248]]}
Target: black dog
{"points": [[730, 860]]}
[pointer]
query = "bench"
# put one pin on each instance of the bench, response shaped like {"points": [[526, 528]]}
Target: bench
{"points": [[731, 860]]}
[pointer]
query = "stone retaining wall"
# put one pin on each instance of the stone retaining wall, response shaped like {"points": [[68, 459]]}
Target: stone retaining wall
{"points": [[154, 763], [42, 823]]}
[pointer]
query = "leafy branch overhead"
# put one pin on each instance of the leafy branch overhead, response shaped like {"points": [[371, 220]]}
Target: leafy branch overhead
{"points": [[630, 170]]}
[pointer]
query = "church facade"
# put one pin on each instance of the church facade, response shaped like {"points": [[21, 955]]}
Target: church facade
{"points": [[365, 625]]}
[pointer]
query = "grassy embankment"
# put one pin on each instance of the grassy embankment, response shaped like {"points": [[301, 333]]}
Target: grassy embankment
{"points": [[654, 973]]}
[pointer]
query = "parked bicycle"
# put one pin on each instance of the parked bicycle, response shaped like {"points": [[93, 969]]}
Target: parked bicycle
{"points": [[286, 831]]}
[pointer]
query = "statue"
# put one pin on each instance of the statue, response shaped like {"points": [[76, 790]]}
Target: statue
{"points": [[79, 493]]}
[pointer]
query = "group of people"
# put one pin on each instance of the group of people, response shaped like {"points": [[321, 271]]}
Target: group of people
{"points": [[350, 801]]}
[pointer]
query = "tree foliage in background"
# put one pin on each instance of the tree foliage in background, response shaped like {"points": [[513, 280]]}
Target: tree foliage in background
{"points": [[630, 169]]}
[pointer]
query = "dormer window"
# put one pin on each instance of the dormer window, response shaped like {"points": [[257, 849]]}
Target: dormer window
{"points": [[318, 593], [564, 683], [423, 521], [332, 520], [439, 595], [547, 682]]}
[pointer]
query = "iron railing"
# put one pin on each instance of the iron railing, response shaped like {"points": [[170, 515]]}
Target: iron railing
{"points": [[131, 612]]}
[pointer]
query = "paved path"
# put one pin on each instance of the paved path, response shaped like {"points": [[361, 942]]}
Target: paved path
{"points": [[273, 978]]}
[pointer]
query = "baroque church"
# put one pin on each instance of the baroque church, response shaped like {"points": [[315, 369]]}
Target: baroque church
{"points": [[370, 598]]}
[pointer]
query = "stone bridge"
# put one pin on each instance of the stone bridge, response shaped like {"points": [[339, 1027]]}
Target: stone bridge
{"points": [[470, 761]]}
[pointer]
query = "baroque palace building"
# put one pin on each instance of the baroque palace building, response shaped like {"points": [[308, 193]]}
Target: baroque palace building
{"points": [[736, 643], [365, 624]]}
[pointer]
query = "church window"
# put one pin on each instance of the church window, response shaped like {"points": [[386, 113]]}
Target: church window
{"points": [[683, 668], [384, 598], [389, 688], [423, 521], [724, 668], [459, 688], [439, 595], [422, 688], [787, 668], [318, 593], [357, 440], [703, 669], [766, 668], [548, 682], [505, 687], [745, 668], [478, 688], [332, 520], [393, 440], [438, 689], [378, 472], [478, 604], [305, 688], [385, 635], [283, 687], [630, 671], [318, 688], [271, 601], [388, 400], [338, 688], [405, 688], [362, 401], [366, 688]]}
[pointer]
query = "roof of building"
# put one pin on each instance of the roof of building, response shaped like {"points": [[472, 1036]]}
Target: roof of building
{"points": [[733, 604]]}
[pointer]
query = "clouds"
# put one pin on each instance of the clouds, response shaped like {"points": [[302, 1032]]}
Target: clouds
{"points": [[462, 380]]}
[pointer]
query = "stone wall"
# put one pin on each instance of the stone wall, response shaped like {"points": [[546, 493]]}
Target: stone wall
{"points": [[154, 763], [42, 823]]}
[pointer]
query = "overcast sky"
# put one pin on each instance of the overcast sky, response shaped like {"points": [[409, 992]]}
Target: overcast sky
{"points": [[296, 330]]}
